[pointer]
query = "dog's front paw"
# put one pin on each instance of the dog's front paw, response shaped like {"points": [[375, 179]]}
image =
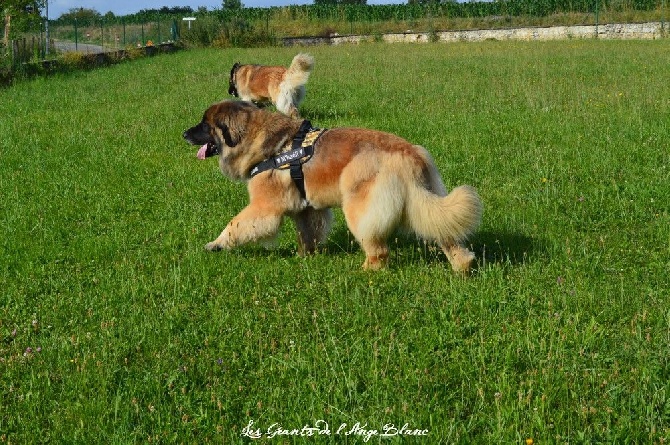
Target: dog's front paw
{"points": [[224, 242], [213, 246]]}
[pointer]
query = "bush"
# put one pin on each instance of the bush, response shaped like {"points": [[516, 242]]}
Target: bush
{"points": [[73, 60], [231, 32], [203, 32], [134, 52], [5, 76]]}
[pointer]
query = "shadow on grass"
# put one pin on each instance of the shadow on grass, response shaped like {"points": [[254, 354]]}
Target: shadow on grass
{"points": [[489, 247], [505, 247], [316, 115]]}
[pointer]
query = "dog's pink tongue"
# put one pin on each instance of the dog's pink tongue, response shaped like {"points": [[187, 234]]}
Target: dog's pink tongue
{"points": [[202, 153]]}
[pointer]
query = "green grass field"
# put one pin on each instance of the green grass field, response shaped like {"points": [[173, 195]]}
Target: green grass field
{"points": [[116, 326]]}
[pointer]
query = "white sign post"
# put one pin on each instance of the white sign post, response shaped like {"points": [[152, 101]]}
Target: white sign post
{"points": [[189, 20]]}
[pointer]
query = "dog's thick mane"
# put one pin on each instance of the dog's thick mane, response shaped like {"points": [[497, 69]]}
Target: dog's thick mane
{"points": [[252, 127]]}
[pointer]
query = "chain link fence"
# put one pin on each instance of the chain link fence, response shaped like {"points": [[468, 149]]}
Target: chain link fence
{"points": [[107, 34], [90, 38]]}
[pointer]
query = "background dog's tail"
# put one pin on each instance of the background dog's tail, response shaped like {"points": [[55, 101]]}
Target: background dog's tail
{"points": [[298, 73], [292, 88]]}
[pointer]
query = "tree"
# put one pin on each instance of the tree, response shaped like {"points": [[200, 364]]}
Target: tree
{"points": [[24, 12], [232, 4], [430, 2], [83, 16], [340, 2]]}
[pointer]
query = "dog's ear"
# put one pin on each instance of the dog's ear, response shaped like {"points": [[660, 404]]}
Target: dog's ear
{"points": [[232, 87], [227, 137], [235, 67], [232, 121]]}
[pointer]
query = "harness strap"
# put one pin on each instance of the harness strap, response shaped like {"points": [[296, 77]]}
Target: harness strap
{"points": [[305, 127], [298, 177], [301, 151], [296, 164]]}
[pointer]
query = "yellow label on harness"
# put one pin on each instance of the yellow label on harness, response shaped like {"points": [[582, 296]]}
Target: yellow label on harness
{"points": [[310, 139], [312, 136]]}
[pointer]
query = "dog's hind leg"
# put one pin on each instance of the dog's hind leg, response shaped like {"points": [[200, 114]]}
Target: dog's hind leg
{"points": [[459, 257], [286, 104], [313, 226], [373, 210]]}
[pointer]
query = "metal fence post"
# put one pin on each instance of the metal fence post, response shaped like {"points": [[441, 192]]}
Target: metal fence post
{"points": [[596, 19], [46, 27]]}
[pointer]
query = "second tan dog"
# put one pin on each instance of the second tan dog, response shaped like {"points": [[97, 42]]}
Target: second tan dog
{"points": [[283, 87], [381, 181]]}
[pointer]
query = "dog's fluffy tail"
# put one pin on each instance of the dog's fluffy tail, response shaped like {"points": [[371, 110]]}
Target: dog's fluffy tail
{"points": [[292, 88], [449, 219], [298, 73]]}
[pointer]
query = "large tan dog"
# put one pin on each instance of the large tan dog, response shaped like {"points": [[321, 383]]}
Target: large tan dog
{"points": [[285, 88], [381, 181]]}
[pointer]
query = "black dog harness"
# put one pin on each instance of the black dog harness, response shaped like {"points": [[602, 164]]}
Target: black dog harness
{"points": [[302, 149]]}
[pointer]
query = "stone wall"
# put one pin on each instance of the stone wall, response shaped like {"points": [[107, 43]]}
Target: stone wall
{"points": [[640, 31]]}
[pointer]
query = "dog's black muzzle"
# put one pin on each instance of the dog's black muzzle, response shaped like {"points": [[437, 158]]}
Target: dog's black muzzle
{"points": [[198, 134]]}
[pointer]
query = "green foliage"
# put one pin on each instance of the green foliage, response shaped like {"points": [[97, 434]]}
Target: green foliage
{"points": [[74, 60], [231, 32], [339, 2], [20, 16], [81, 16], [6, 75], [361, 11], [203, 32], [232, 5], [116, 325]]}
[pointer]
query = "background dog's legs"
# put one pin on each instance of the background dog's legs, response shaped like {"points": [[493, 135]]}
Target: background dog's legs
{"points": [[250, 225], [293, 112], [286, 103], [313, 226], [289, 110]]}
